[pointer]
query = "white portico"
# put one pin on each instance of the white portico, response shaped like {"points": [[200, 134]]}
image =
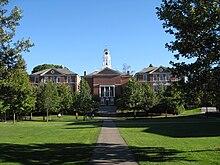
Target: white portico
{"points": [[107, 94]]}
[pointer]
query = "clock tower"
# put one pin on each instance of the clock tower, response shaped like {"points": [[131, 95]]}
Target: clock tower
{"points": [[106, 59]]}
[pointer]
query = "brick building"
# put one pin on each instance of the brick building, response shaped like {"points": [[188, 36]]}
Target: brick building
{"points": [[156, 76], [107, 83], [63, 75]]}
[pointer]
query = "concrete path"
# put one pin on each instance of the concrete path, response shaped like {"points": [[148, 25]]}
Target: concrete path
{"points": [[111, 147]]}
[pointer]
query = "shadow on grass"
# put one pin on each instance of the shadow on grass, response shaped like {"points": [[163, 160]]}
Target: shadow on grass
{"points": [[115, 153], [161, 154], [185, 130], [71, 153], [178, 127]]}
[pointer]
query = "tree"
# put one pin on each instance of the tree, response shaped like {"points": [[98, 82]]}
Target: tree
{"points": [[133, 95], [10, 49], [17, 92], [65, 97], [83, 102], [149, 97], [48, 98], [45, 66], [12, 79], [195, 26], [173, 101]]}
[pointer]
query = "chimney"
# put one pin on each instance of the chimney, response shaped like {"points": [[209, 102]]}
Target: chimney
{"points": [[84, 73], [128, 72]]}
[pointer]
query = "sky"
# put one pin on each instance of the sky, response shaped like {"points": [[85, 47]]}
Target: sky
{"points": [[74, 33]]}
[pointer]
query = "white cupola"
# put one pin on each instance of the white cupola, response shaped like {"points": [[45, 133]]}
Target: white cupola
{"points": [[106, 59]]}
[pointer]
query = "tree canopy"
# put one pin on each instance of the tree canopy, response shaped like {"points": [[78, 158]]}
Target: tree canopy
{"points": [[16, 92], [46, 66], [196, 30]]}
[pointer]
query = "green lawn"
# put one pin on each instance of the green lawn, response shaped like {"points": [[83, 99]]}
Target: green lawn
{"points": [[57, 142], [173, 141], [192, 111]]}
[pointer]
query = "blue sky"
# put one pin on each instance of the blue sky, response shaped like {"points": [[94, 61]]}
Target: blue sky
{"points": [[74, 33]]}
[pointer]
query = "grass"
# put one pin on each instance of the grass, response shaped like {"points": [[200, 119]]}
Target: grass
{"points": [[192, 111], [173, 141], [61, 141]]}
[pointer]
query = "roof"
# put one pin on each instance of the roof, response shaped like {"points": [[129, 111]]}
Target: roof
{"points": [[105, 72], [150, 69], [63, 71]]}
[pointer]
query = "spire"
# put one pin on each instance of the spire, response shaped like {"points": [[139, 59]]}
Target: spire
{"points": [[106, 59]]}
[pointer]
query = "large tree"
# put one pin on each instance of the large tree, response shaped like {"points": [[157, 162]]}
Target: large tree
{"points": [[17, 92], [45, 66], [196, 30], [12, 79]]}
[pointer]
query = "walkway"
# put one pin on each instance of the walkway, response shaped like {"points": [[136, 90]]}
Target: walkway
{"points": [[111, 147]]}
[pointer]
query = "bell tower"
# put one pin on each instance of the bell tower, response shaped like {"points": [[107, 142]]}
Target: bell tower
{"points": [[106, 59]]}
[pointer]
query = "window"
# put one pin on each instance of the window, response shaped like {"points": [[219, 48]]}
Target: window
{"points": [[111, 91], [52, 78], [45, 79], [69, 79], [145, 77], [167, 77], [155, 78], [36, 80], [155, 88], [58, 79], [102, 91], [161, 77], [107, 91]]}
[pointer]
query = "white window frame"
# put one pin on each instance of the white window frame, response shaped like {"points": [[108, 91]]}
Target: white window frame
{"points": [[46, 79], [58, 78], [69, 79], [145, 77], [155, 78]]}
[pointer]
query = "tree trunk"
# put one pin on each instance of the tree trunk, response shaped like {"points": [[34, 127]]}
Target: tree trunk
{"points": [[47, 115], [5, 116], [31, 116], [134, 113], [14, 118], [43, 116]]}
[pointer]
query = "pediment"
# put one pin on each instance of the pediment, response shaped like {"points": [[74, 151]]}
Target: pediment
{"points": [[160, 69], [108, 71], [51, 72]]}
